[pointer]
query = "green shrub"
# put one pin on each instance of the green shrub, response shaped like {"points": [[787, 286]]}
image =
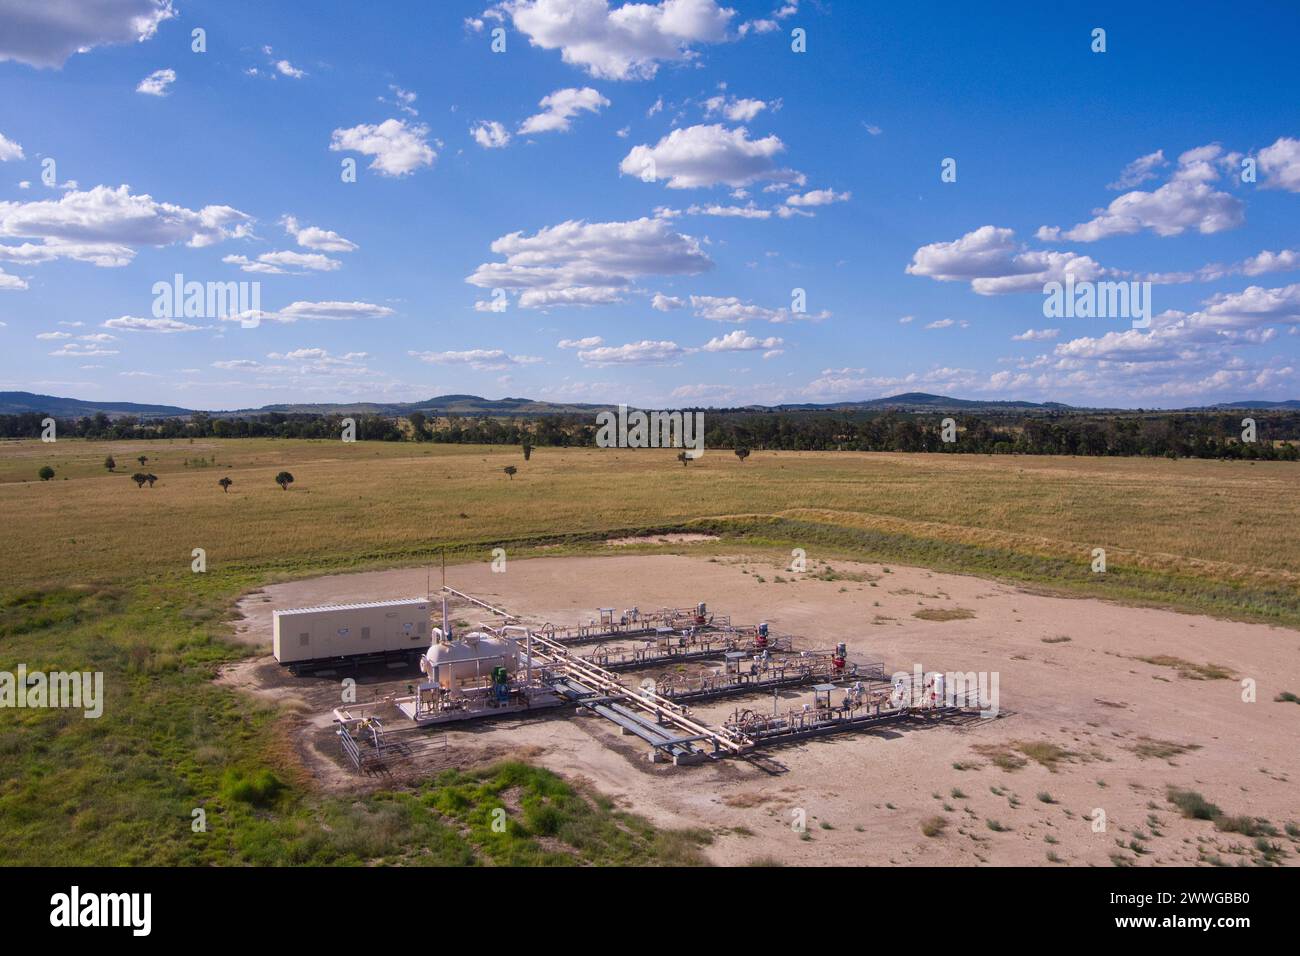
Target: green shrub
{"points": [[259, 788]]}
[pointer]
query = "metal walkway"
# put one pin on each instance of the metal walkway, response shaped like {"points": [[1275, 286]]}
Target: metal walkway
{"points": [[657, 715], [662, 723]]}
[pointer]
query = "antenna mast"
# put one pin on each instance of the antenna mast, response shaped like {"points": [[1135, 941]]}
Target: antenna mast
{"points": [[446, 628]]}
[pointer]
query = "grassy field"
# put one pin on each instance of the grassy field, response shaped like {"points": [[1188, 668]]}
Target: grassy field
{"points": [[96, 575]]}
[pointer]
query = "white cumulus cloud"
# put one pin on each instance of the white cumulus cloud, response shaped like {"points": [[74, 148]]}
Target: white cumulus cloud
{"points": [[559, 108], [709, 156], [478, 359], [582, 263], [740, 341], [46, 32], [994, 263], [104, 226], [9, 149], [1187, 201], [645, 352], [315, 311], [490, 134], [156, 83], [1280, 164], [398, 148], [280, 263], [129, 323], [624, 42], [313, 237], [1036, 335]]}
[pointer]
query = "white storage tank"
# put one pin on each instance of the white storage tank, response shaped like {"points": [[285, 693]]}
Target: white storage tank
{"points": [[333, 632], [469, 659]]}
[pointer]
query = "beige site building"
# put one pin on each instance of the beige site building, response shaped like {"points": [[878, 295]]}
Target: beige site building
{"points": [[340, 631]]}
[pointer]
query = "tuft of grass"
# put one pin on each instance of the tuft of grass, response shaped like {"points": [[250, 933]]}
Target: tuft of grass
{"points": [[1148, 748], [1286, 697], [553, 823], [997, 827], [1192, 805], [1016, 754], [1002, 756], [1045, 753], [1058, 639], [934, 826], [1046, 797], [1246, 826], [1188, 670], [260, 788], [1271, 853], [944, 614]]}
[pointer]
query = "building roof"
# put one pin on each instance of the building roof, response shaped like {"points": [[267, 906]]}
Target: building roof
{"points": [[400, 602]]}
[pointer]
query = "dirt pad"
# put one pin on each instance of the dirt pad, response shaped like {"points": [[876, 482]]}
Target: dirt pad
{"points": [[1103, 708]]}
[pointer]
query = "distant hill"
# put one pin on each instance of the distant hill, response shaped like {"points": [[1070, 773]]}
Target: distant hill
{"points": [[923, 401], [1289, 404], [440, 405], [17, 403], [12, 403]]}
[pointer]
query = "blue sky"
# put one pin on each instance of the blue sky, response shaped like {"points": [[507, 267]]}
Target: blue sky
{"points": [[643, 188]]}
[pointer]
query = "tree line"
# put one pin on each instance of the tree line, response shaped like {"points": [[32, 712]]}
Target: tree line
{"points": [[1209, 434]]}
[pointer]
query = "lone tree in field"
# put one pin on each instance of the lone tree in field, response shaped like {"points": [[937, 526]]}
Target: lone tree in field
{"points": [[151, 479], [742, 454], [417, 421], [225, 484], [284, 480], [511, 470], [46, 473], [142, 460], [528, 449], [684, 458], [139, 478], [109, 463]]}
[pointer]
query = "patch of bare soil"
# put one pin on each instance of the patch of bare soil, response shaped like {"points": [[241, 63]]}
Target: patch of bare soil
{"points": [[671, 538], [1103, 723]]}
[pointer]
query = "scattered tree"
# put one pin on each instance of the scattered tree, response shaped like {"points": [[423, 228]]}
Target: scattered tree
{"points": [[225, 484], [742, 454], [151, 479], [511, 470], [284, 480], [46, 473], [139, 478], [684, 458], [417, 425], [109, 463], [528, 449], [142, 460]]}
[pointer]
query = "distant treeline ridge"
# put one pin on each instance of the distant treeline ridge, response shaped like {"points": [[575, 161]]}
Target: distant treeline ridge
{"points": [[1170, 434]]}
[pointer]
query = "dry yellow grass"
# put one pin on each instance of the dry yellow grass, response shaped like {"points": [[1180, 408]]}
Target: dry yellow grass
{"points": [[372, 500]]}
